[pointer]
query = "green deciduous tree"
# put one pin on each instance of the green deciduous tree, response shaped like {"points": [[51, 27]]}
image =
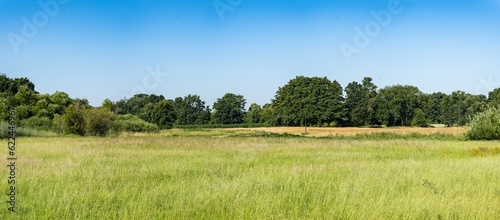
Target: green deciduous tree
{"points": [[230, 109], [164, 114], [309, 101], [268, 115], [254, 114], [419, 119], [494, 97], [358, 102], [459, 107], [191, 110], [396, 104]]}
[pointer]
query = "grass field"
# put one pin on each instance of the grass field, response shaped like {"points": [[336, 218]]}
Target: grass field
{"points": [[185, 175], [323, 132]]}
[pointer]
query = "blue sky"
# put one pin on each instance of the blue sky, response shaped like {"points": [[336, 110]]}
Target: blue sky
{"points": [[111, 49]]}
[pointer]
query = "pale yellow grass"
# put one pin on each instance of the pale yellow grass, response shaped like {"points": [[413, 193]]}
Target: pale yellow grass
{"points": [[321, 132]]}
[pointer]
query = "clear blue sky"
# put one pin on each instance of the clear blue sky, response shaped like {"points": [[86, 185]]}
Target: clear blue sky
{"points": [[101, 49]]}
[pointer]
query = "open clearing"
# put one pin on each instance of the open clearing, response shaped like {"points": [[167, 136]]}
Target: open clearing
{"points": [[321, 132], [200, 177]]}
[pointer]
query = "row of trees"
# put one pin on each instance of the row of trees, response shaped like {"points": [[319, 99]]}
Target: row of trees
{"points": [[321, 102], [311, 101]]}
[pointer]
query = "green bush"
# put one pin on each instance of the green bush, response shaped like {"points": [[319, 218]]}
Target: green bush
{"points": [[132, 123], [22, 132], [39, 123], [74, 119], [485, 125], [58, 124], [99, 121]]}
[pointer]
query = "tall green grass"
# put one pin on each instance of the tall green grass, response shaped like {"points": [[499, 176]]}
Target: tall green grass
{"points": [[196, 177]]}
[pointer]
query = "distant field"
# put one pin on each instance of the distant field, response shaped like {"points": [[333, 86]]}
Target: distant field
{"points": [[320, 132], [179, 175]]}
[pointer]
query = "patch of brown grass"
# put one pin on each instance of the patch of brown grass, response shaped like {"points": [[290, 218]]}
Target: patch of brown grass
{"points": [[351, 131]]}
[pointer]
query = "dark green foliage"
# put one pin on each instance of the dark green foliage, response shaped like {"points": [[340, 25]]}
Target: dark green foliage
{"points": [[312, 101], [309, 101], [268, 115], [191, 110], [485, 125], [163, 114], [254, 114], [99, 121], [459, 107], [494, 97], [11, 86], [73, 119], [419, 119], [359, 102], [396, 104], [434, 112], [230, 109]]}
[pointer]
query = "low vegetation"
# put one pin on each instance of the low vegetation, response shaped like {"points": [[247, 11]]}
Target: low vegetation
{"points": [[485, 125], [179, 174]]}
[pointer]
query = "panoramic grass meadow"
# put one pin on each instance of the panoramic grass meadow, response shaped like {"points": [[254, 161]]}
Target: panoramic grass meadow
{"points": [[181, 176]]}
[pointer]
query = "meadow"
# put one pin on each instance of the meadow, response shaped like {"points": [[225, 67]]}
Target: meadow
{"points": [[228, 174]]}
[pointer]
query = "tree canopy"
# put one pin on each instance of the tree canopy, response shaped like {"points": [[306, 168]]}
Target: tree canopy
{"points": [[310, 101]]}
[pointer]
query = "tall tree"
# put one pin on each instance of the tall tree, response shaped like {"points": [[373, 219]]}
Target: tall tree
{"points": [[494, 97], [164, 114], [309, 101], [434, 113], [397, 104], [230, 109], [254, 114], [268, 115], [191, 110], [457, 108], [358, 102]]}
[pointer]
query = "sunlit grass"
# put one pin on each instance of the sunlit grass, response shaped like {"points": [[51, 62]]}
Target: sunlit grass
{"points": [[191, 177]]}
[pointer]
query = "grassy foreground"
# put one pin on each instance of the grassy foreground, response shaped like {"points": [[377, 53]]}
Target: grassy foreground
{"points": [[201, 177]]}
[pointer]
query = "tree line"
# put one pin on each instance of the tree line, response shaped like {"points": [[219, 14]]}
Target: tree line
{"points": [[303, 101]]}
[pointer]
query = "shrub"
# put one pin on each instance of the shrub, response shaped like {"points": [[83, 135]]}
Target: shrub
{"points": [[58, 124], [132, 123], [39, 123], [20, 132], [74, 120], [485, 125], [99, 121]]}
